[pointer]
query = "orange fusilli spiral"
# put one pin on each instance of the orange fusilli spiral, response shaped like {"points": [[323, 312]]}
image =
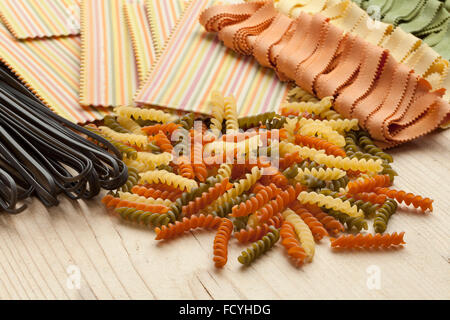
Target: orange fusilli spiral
{"points": [[257, 202], [185, 168], [292, 244], [368, 185], [174, 230], [206, 198], [116, 203], [313, 223], [408, 198], [320, 144], [368, 241], [330, 223], [221, 240], [201, 172], [371, 197], [156, 193], [277, 178], [163, 142], [162, 187], [279, 204], [257, 233], [289, 160], [168, 128]]}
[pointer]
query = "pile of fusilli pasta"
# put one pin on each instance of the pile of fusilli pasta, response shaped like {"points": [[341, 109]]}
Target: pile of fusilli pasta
{"points": [[297, 177]]}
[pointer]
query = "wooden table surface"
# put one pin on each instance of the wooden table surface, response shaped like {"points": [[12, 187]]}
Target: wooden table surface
{"points": [[44, 252]]}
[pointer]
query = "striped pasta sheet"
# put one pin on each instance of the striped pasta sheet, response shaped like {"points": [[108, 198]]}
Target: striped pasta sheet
{"points": [[109, 75], [50, 68], [163, 17], [195, 63], [28, 19], [139, 27]]}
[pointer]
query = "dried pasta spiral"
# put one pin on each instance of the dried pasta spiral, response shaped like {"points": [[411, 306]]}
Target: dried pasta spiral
{"points": [[250, 234], [408, 198], [368, 241], [349, 164], [383, 215], [186, 121], [324, 132], [185, 168], [113, 202], [162, 176], [317, 108], [303, 233], [133, 179], [291, 244], [130, 125], [111, 122], [340, 125], [260, 247], [320, 144], [255, 121], [225, 170], [298, 94], [172, 231], [369, 146], [141, 199], [143, 217], [145, 114], [371, 197], [221, 240], [322, 174], [330, 203], [156, 193], [278, 205], [332, 225], [218, 112], [231, 118], [352, 224], [314, 225], [253, 204], [167, 128], [368, 185], [163, 142], [127, 138], [206, 198], [124, 149]]}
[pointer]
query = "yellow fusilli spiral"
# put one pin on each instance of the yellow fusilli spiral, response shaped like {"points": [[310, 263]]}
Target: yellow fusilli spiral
{"points": [[330, 203], [303, 152], [146, 161], [218, 112], [340, 125], [145, 114], [321, 174], [171, 179], [130, 125], [225, 170], [349, 164], [243, 147], [239, 188], [324, 132], [139, 199], [128, 138], [303, 233], [291, 127], [231, 117], [310, 107]]}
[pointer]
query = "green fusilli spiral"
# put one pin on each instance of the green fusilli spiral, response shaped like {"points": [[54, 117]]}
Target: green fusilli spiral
{"points": [[383, 215], [133, 179], [111, 122], [275, 123], [226, 208], [187, 121], [367, 144], [255, 121], [260, 247], [351, 223], [143, 217]]}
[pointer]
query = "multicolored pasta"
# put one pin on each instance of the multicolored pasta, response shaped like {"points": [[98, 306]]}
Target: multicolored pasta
{"points": [[162, 176], [260, 247], [303, 233]]}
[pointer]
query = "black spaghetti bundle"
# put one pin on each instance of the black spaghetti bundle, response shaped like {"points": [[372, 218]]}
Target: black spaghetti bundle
{"points": [[44, 155]]}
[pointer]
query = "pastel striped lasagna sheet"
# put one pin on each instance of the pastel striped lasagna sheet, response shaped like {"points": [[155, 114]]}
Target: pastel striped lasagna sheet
{"points": [[50, 68], [163, 17], [109, 74], [139, 27], [27, 19], [195, 63]]}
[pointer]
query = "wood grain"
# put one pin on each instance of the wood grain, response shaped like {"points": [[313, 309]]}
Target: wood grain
{"points": [[122, 261]]}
